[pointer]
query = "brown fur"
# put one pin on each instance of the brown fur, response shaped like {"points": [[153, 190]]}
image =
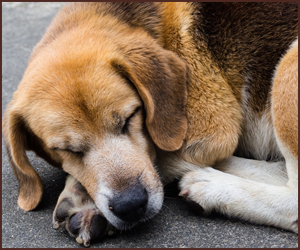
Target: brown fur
{"points": [[285, 101], [182, 72]]}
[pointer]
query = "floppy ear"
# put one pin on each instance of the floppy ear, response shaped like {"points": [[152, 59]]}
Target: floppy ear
{"points": [[15, 136], [159, 76]]}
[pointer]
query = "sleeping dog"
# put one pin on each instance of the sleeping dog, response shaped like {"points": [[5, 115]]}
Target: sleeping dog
{"points": [[126, 97]]}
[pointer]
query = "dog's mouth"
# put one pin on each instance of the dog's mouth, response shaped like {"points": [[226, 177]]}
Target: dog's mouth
{"points": [[136, 204]]}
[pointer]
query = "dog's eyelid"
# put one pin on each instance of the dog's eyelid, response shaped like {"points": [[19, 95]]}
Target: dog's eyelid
{"points": [[134, 112], [70, 150], [125, 127]]}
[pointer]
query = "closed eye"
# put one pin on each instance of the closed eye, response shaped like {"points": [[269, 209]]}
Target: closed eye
{"points": [[77, 153], [127, 121]]}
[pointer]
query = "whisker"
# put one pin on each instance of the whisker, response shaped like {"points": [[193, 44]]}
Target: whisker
{"points": [[164, 205], [169, 209]]}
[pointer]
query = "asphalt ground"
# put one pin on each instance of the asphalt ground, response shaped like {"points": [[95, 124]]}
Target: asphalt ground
{"points": [[23, 24]]}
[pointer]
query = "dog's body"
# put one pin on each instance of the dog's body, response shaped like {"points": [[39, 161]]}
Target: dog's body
{"points": [[125, 96]]}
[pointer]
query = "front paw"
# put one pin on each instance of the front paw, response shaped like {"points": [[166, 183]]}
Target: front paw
{"points": [[87, 224], [203, 190], [76, 211]]}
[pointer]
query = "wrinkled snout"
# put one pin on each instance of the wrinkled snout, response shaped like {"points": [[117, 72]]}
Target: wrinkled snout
{"points": [[131, 204]]}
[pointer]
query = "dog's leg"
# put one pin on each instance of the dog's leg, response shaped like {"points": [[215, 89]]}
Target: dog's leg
{"points": [[262, 171], [246, 199], [76, 210], [256, 201]]}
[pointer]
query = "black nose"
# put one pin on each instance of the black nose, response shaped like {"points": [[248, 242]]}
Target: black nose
{"points": [[130, 205]]}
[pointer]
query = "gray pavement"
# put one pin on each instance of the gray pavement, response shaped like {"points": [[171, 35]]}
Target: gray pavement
{"points": [[23, 24]]}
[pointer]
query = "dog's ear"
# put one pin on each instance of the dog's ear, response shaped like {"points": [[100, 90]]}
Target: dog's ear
{"points": [[16, 136], [160, 79]]}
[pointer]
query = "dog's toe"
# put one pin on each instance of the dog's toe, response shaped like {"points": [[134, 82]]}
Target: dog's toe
{"points": [[75, 223], [87, 225], [62, 212], [98, 226]]}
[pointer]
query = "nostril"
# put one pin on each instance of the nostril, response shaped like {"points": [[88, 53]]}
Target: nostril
{"points": [[130, 205]]}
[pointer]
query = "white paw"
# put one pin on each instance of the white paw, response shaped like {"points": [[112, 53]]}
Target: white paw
{"points": [[238, 197], [208, 188]]}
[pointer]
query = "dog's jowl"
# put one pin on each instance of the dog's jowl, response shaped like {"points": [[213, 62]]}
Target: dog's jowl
{"points": [[126, 97]]}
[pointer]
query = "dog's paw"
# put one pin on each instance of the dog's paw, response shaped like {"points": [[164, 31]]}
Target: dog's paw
{"points": [[84, 223], [203, 189], [209, 190], [76, 211], [87, 225]]}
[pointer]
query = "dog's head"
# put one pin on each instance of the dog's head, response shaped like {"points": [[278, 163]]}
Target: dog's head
{"points": [[97, 104]]}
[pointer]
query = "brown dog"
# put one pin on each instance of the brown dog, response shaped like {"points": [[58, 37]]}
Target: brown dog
{"points": [[128, 96]]}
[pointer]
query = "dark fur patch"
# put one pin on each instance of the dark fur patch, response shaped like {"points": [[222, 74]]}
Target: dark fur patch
{"points": [[246, 40]]}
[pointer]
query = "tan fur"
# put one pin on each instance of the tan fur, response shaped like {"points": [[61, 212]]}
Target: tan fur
{"points": [[80, 104], [210, 97], [285, 100], [31, 189], [191, 102]]}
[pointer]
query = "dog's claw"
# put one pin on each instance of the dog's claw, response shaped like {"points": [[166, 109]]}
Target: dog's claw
{"points": [[184, 193], [56, 225], [82, 242], [79, 240], [111, 233], [86, 244]]}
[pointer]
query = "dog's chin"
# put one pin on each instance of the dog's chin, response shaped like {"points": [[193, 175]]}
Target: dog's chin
{"points": [[125, 225]]}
